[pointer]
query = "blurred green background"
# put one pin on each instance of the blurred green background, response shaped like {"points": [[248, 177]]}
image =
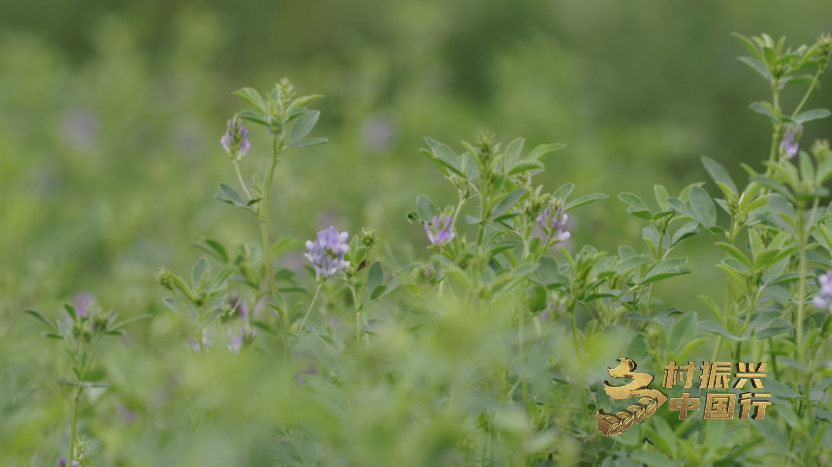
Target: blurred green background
{"points": [[111, 114]]}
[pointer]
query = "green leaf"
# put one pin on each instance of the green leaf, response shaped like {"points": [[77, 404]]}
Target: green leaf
{"points": [[702, 206], [564, 191], [714, 308], [542, 150], [757, 66], [230, 196], [768, 332], [307, 142], [253, 117], [630, 264], [130, 321], [219, 283], [213, 248], [764, 108], [661, 196], [42, 319], [634, 201], [525, 166], [736, 253], [426, 209], [816, 393], [809, 115], [177, 308], [718, 173], [779, 389], [682, 330], [714, 327], [375, 276], [378, 292], [651, 458], [513, 152], [198, 272], [584, 200], [684, 232], [71, 311], [445, 155], [252, 97], [506, 203], [748, 45], [303, 125], [548, 270]]}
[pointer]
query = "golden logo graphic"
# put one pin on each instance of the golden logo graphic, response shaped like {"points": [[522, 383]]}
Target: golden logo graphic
{"points": [[614, 424], [718, 406]]}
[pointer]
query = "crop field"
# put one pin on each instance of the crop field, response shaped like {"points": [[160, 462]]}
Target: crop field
{"points": [[415, 233]]}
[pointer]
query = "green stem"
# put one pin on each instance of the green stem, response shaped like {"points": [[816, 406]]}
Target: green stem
{"points": [[483, 213], [315, 298], [357, 314], [801, 294], [264, 234], [520, 340], [808, 92], [76, 394], [240, 178]]}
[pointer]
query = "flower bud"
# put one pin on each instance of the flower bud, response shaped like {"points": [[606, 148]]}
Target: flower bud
{"points": [[165, 279], [367, 237]]}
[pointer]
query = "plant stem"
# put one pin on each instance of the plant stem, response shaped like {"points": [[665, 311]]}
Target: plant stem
{"points": [[76, 394], [483, 212], [801, 294], [264, 234], [357, 314], [317, 291], [240, 178], [808, 92]]}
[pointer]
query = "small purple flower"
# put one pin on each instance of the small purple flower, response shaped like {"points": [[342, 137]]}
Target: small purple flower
{"points": [[82, 302], [235, 140], [207, 340], [246, 337], [823, 300], [62, 462], [790, 145], [552, 221], [327, 252], [439, 230]]}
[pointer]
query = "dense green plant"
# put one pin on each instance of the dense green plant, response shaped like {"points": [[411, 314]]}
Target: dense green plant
{"points": [[492, 350]]}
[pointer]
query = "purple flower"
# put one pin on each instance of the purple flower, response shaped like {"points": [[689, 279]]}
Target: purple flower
{"points": [[823, 300], [235, 140], [246, 337], [207, 340], [789, 146], [61, 462], [553, 220], [439, 230], [327, 252], [82, 302]]}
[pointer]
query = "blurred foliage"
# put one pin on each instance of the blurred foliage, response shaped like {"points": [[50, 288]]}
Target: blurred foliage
{"points": [[110, 119]]}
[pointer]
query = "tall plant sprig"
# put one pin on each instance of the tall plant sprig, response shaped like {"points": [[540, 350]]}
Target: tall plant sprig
{"points": [[288, 122], [81, 333]]}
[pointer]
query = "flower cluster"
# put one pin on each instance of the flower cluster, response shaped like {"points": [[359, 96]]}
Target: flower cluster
{"points": [[439, 229], [235, 140], [327, 252], [553, 221], [823, 300], [790, 145]]}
